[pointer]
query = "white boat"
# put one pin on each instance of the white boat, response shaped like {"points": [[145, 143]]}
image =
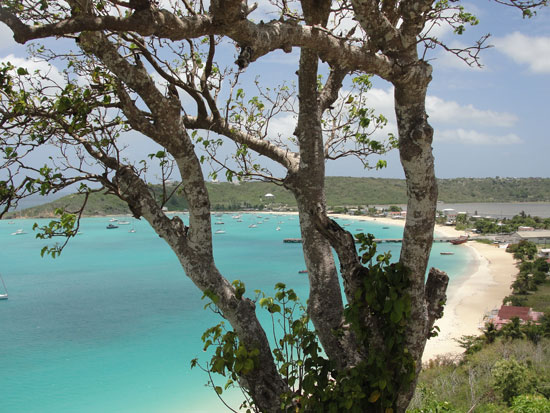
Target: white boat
{"points": [[278, 229], [220, 231], [5, 295], [123, 222], [113, 220], [18, 232], [252, 226]]}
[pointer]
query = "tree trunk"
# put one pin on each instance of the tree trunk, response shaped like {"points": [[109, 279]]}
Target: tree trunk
{"points": [[415, 150]]}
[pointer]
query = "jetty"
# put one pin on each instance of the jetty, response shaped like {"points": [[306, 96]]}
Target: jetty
{"points": [[377, 240]]}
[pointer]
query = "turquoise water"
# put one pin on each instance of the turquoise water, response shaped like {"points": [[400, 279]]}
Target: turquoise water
{"points": [[112, 324]]}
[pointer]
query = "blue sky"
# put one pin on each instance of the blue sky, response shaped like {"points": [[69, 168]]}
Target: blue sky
{"points": [[488, 122]]}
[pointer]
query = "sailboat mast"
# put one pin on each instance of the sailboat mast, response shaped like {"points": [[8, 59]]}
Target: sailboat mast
{"points": [[5, 289]]}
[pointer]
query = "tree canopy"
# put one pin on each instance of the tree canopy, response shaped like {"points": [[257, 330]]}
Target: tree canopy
{"points": [[167, 70]]}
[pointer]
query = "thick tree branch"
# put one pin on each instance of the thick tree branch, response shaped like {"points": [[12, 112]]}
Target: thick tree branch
{"points": [[265, 37], [435, 294], [286, 158], [332, 87]]}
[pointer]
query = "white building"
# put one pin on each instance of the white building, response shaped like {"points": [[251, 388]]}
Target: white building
{"points": [[537, 237]]}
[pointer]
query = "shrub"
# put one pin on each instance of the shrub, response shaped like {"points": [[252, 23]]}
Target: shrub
{"points": [[530, 404], [512, 379]]}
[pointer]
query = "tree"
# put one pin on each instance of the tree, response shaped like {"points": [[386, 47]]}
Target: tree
{"points": [[512, 379], [194, 100]]}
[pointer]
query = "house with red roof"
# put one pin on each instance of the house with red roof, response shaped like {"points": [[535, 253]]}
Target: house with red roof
{"points": [[507, 312]]}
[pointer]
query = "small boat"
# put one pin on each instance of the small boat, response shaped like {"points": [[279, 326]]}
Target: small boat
{"points": [[123, 222], [219, 223], [111, 226], [18, 232], [385, 227], [132, 231], [5, 295], [447, 253], [252, 226], [113, 220], [278, 229], [239, 220], [460, 240], [302, 272], [220, 231]]}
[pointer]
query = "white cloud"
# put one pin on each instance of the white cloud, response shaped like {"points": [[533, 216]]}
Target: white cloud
{"points": [[532, 51], [445, 113], [450, 112], [282, 126], [472, 137], [382, 101], [48, 71], [442, 111], [6, 37]]}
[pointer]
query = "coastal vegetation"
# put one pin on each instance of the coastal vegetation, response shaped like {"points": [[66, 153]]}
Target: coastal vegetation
{"points": [[341, 193], [501, 225], [501, 370]]}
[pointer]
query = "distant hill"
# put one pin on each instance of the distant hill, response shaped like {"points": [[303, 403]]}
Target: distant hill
{"points": [[341, 191]]}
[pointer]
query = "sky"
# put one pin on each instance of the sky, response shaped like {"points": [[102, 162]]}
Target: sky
{"points": [[489, 121]]}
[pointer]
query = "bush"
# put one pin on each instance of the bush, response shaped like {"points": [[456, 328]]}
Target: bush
{"points": [[512, 379], [430, 404], [530, 404]]}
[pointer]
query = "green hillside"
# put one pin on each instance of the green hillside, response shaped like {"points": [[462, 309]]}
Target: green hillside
{"points": [[341, 191]]}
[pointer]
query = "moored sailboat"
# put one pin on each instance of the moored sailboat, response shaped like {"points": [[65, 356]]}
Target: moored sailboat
{"points": [[3, 296]]}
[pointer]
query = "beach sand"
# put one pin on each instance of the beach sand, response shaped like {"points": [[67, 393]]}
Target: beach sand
{"points": [[478, 291], [471, 297]]}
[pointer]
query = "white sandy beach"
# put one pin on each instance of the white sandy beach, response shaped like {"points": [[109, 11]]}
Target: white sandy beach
{"points": [[469, 297]]}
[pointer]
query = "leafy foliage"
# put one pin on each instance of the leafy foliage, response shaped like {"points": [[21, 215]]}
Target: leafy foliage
{"points": [[511, 379], [315, 382]]}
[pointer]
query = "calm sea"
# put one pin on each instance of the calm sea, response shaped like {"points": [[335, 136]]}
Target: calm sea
{"points": [[112, 324]]}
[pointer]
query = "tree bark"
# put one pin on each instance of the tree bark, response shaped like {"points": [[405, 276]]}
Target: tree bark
{"points": [[415, 150]]}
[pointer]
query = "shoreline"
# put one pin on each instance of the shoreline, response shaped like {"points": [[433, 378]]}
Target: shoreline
{"points": [[481, 287]]}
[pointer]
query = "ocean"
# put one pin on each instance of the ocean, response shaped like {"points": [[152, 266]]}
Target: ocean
{"points": [[112, 324]]}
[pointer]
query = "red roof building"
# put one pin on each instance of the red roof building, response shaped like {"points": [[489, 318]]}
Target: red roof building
{"points": [[507, 312]]}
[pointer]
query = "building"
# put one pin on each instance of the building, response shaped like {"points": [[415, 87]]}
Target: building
{"points": [[450, 214], [507, 312], [537, 236]]}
